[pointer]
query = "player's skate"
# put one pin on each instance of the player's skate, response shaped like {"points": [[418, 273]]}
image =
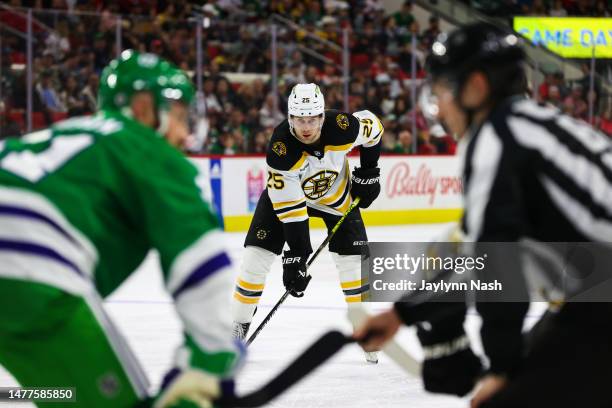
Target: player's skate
{"points": [[240, 330], [371, 357]]}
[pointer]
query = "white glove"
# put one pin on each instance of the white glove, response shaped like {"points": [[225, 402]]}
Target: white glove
{"points": [[194, 386]]}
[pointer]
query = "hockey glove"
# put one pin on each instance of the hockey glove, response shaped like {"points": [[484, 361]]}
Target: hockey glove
{"points": [[193, 388], [295, 277], [365, 184], [449, 365]]}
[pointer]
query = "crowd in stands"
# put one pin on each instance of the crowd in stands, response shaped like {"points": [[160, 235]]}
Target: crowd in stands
{"points": [[242, 111], [553, 8]]}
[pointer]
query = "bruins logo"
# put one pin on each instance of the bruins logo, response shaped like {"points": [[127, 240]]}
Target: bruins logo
{"points": [[279, 148], [342, 121], [262, 234], [319, 184]]}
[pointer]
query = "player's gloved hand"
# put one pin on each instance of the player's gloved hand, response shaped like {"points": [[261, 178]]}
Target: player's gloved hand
{"points": [[191, 387], [295, 277], [449, 365], [365, 184]]}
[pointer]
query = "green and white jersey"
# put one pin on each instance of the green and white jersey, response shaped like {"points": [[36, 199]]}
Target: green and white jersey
{"points": [[82, 203]]}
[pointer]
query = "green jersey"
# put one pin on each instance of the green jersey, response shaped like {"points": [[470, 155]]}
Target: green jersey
{"points": [[83, 202]]}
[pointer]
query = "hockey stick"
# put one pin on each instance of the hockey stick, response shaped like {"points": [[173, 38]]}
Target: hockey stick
{"points": [[310, 261], [318, 352], [325, 347]]}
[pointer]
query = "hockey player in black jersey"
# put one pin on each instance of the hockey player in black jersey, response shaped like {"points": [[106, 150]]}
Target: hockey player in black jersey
{"points": [[309, 176], [529, 172]]}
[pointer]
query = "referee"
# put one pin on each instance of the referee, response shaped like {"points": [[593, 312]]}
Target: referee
{"points": [[529, 172]]}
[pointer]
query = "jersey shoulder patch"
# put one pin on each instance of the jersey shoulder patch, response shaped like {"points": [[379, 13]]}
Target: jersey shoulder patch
{"points": [[284, 150], [339, 128]]}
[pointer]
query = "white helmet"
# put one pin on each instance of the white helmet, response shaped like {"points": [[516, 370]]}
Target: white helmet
{"points": [[305, 100]]}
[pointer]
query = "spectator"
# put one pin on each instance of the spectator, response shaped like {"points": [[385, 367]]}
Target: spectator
{"points": [[293, 74], [388, 141], [225, 95], [236, 126], [90, 93], [605, 121], [381, 50], [576, 102], [432, 32], [585, 81], [424, 144], [226, 145], [538, 8], [260, 144], [8, 128], [246, 97], [57, 45], [602, 9], [391, 37], [101, 51], [72, 98], [404, 18], [329, 76], [48, 94], [213, 106], [554, 97], [269, 115], [404, 143], [329, 29], [445, 143], [558, 10]]}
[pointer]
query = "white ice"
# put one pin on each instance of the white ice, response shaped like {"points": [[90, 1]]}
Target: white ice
{"points": [[144, 313]]}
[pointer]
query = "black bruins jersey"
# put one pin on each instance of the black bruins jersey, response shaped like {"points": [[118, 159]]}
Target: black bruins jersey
{"points": [[317, 176]]}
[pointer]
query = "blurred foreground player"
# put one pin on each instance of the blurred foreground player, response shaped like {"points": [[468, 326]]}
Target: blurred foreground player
{"points": [[309, 175], [81, 204], [529, 172]]}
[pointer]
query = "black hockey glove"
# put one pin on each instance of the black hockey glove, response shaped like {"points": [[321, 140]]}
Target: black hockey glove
{"points": [[365, 184], [295, 277], [449, 365]]}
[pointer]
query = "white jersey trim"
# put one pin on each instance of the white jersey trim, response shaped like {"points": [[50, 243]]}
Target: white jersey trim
{"points": [[206, 247], [35, 202]]}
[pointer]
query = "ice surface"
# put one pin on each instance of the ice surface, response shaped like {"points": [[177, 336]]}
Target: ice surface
{"points": [[144, 313]]}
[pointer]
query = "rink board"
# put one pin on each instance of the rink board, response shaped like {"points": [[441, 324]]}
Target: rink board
{"points": [[415, 189]]}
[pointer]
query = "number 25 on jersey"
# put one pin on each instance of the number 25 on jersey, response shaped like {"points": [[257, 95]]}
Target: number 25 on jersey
{"points": [[275, 181]]}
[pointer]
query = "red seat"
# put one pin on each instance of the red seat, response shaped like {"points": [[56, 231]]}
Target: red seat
{"points": [[360, 61], [38, 120], [17, 116], [57, 116], [17, 57]]}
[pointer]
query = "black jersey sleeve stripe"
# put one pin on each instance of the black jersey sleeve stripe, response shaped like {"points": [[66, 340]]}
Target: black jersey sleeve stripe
{"points": [[293, 207]]}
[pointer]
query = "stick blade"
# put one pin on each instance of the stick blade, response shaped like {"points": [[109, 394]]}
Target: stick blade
{"points": [[315, 355], [357, 315]]}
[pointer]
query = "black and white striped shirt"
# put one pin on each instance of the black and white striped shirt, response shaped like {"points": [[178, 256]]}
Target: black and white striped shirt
{"points": [[532, 172]]}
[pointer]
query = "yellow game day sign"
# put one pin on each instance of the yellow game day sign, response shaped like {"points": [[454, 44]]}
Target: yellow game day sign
{"points": [[569, 37]]}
